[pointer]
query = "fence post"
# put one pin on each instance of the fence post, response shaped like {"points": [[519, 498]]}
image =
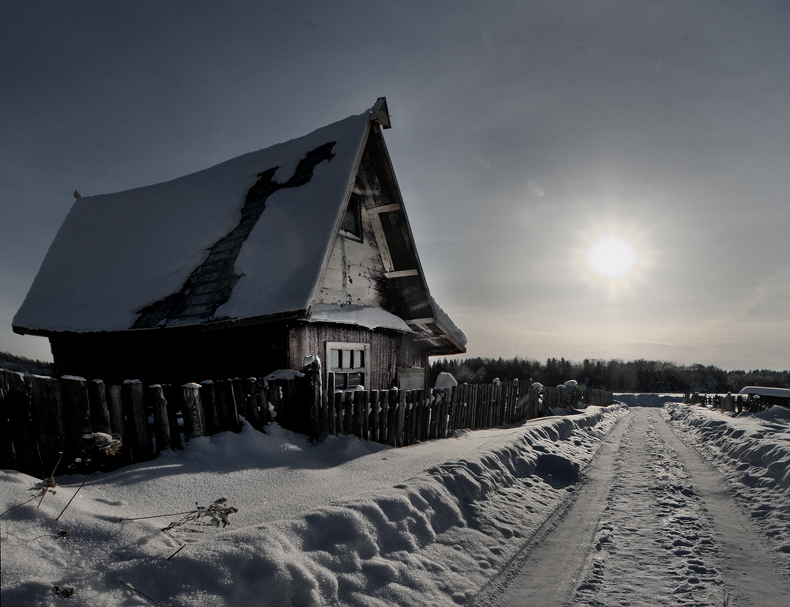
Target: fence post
{"points": [[48, 418], [330, 424], [17, 403], [392, 418], [373, 417], [156, 400], [339, 412], [137, 420], [194, 424], [118, 423], [434, 401], [173, 397], [99, 413], [400, 423], [360, 410], [315, 397], [76, 415], [348, 412], [208, 399]]}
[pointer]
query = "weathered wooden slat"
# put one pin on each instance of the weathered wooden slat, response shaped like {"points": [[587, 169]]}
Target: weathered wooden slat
{"points": [[392, 418], [76, 415], [254, 411], [339, 404], [434, 406], [315, 397], [365, 414], [47, 419], [118, 423], [287, 404], [373, 418], [156, 400], [18, 408], [407, 433], [226, 406], [136, 420], [209, 402], [359, 413], [7, 455], [348, 412], [175, 416], [99, 411], [383, 415], [399, 423], [262, 403], [194, 423]]}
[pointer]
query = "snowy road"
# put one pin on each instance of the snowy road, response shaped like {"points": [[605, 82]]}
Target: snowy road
{"points": [[653, 524]]}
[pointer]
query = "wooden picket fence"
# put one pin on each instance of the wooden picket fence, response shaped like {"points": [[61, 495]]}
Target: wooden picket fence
{"points": [[42, 417], [727, 402]]}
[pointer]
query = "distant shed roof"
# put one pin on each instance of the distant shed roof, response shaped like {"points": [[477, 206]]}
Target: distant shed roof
{"points": [[121, 256], [764, 391]]}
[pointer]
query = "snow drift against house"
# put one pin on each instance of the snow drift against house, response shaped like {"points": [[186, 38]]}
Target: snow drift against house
{"points": [[119, 255]]}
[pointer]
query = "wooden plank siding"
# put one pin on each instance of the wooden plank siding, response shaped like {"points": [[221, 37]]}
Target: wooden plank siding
{"points": [[389, 350]]}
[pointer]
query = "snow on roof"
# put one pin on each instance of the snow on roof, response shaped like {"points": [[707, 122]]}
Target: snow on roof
{"points": [[119, 254], [761, 391], [363, 316], [448, 325]]}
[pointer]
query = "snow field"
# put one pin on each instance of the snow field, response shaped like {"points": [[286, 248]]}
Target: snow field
{"points": [[344, 522]]}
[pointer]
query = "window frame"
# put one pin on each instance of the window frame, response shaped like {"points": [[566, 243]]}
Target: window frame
{"points": [[348, 346]]}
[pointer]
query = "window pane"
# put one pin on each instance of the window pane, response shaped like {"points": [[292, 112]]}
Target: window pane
{"points": [[359, 359], [355, 379], [351, 223], [346, 359], [340, 381], [334, 361]]}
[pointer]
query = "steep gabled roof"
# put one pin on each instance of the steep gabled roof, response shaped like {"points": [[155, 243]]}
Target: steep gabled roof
{"points": [[246, 239]]}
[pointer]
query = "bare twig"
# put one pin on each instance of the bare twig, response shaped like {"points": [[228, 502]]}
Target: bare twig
{"points": [[50, 480], [143, 594], [176, 552], [140, 518], [60, 536], [73, 496], [18, 505]]}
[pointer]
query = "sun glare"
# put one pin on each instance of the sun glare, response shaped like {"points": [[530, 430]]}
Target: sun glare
{"points": [[611, 257]]}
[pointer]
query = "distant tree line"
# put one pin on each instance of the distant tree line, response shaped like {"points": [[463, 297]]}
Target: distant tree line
{"points": [[20, 364], [613, 375]]}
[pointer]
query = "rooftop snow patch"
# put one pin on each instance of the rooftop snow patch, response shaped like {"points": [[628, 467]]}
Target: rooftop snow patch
{"points": [[119, 255], [362, 316]]}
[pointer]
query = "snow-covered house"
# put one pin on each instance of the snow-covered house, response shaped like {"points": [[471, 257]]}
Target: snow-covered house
{"points": [[302, 248]]}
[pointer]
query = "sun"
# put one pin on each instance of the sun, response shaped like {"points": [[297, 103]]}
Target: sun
{"points": [[612, 257]]}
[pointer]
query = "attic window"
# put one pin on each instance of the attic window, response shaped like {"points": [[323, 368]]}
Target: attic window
{"points": [[352, 220]]}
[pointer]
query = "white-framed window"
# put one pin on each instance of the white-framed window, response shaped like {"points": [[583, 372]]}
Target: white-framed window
{"points": [[349, 363]]}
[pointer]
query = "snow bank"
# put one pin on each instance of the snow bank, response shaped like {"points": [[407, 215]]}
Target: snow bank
{"points": [[345, 522], [753, 452]]}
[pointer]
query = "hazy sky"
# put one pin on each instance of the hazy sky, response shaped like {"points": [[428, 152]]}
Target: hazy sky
{"points": [[522, 132]]}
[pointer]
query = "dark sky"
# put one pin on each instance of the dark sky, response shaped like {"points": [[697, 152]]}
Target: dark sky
{"points": [[522, 132]]}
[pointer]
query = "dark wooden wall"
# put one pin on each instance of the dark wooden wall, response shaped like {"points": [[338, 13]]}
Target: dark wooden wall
{"points": [[172, 355], [180, 356], [388, 350]]}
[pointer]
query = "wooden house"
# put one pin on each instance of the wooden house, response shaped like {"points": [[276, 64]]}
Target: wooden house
{"points": [[303, 248]]}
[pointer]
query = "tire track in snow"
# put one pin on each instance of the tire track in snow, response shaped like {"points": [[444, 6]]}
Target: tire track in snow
{"points": [[655, 544], [651, 525]]}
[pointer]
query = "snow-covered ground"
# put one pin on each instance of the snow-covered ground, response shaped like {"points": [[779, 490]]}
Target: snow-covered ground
{"points": [[341, 523]]}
